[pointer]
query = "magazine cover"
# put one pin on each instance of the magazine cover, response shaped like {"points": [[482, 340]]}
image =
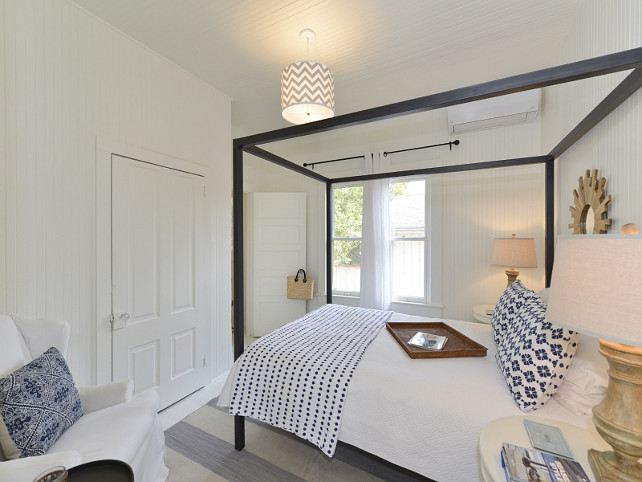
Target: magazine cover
{"points": [[527, 465]]}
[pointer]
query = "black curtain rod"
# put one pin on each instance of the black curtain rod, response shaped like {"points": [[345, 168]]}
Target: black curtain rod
{"points": [[306, 164], [450, 144]]}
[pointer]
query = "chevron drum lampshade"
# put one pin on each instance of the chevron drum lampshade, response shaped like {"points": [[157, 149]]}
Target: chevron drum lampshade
{"points": [[307, 92]]}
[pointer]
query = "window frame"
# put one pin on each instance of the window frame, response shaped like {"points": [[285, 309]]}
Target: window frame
{"points": [[353, 294], [432, 301], [425, 299]]}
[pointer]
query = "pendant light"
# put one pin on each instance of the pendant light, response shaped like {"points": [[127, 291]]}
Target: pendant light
{"points": [[307, 88]]}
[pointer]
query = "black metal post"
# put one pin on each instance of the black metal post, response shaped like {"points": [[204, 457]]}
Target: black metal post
{"points": [[239, 315], [622, 92], [473, 166], [549, 229], [279, 161], [328, 241], [584, 69]]}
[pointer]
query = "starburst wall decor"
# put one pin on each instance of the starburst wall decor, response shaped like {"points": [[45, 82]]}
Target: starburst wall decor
{"points": [[589, 211]]}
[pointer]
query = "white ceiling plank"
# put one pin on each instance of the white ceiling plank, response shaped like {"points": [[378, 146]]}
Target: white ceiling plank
{"points": [[380, 50]]}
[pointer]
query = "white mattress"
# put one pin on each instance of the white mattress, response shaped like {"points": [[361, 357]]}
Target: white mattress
{"points": [[427, 414]]}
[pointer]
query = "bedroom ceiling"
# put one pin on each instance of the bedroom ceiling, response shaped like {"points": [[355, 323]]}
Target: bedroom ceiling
{"points": [[381, 51]]}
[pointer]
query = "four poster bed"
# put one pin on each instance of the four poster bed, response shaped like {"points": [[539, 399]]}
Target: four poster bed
{"points": [[424, 415]]}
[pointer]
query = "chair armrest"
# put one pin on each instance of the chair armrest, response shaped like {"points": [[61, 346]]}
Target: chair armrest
{"points": [[30, 467], [98, 397]]}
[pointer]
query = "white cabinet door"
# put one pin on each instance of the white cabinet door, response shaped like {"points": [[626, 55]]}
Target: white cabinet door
{"points": [[159, 333], [278, 251]]}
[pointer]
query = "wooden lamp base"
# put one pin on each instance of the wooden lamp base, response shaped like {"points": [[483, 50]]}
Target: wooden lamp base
{"points": [[618, 419], [512, 275]]}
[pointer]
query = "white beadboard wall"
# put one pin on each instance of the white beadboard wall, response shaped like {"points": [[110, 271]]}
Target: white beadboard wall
{"points": [[3, 164], [68, 79], [479, 206], [476, 206], [614, 147]]}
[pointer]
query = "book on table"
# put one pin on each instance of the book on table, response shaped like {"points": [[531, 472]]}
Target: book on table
{"points": [[524, 465]]}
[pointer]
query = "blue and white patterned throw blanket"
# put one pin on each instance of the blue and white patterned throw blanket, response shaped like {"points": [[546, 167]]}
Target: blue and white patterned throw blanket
{"points": [[297, 377]]}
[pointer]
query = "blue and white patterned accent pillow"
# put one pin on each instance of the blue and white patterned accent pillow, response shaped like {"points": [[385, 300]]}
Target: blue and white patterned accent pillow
{"points": [[534, 355], [38, 402], [507, 308]]}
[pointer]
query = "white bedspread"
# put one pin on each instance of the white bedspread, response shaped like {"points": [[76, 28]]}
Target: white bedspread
{"points": [[427, 414]]}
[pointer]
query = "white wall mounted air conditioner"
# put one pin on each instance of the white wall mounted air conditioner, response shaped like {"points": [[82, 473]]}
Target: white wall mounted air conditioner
{"points": [[504, 110]]}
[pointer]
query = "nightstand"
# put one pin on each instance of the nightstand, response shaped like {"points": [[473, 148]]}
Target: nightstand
{"points": [[512, 430], [479, 313]]}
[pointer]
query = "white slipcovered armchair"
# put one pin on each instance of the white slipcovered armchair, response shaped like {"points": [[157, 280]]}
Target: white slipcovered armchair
{"points": [[113, 426]]}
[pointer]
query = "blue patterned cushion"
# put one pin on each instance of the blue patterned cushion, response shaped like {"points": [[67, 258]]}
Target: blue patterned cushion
{"points": [[38, 402], [507, 307], [534, 355]]}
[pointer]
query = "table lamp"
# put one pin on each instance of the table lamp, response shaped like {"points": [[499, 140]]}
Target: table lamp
{"points": [[514, 253], [596, 288]]}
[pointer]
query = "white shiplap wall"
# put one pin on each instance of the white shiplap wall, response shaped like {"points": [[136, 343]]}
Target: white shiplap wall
{"points": [[614, 147], [476, 206], [68, 79], [479, 206], [3, 164]]}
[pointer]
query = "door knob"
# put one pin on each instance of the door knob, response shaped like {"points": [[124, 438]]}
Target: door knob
{"points": [[119, 320]]}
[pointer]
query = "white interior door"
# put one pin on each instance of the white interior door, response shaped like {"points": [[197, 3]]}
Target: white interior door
{"points": [[159, 334], [278, 251]]}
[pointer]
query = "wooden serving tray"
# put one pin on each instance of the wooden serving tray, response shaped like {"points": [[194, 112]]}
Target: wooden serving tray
{"points": [[458, 344]]}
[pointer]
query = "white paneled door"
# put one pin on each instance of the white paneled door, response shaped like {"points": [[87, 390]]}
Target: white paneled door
{"points": [[158, 280], [278, 251]]}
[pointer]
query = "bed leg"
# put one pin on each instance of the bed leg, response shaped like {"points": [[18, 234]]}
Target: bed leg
{"points": [[239, 432]]}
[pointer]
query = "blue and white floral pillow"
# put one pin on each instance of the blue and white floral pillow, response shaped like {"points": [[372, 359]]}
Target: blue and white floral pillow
{"points": [[507, 307], [534, 355], [38, 402]]}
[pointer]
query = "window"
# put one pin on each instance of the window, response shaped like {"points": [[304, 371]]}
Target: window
{"points": [[408, 240], [410, 245], [346, 240]]}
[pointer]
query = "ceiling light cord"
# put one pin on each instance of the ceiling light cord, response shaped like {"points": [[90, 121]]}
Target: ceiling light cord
{"points": [[306, 35]]}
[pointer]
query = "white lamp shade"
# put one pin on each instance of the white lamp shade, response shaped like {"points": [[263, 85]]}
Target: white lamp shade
{"points": [[307, 92], [596, 286], [514, 253]]}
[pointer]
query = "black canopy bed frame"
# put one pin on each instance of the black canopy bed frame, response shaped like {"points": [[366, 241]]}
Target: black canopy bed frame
{"points": [[607, 64]]}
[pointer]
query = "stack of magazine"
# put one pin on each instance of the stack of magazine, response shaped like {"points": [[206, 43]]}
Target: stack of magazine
{"points": [[428, 341], [524, 465]]}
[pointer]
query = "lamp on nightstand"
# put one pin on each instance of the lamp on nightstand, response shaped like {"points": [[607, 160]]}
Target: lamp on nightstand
{"points": [[596, 288], [514, 253]]}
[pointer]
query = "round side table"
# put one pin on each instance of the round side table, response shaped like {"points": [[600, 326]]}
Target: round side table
{"points": [[513, 431], [480, 315], [102, 471]]}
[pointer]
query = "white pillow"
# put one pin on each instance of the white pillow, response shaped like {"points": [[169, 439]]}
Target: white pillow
{"points": [[586, 380], [543, 295], [97, 397]]}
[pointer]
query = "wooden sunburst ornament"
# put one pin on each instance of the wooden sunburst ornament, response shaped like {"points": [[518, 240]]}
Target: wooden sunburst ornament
{"points": [[590, 201]]}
